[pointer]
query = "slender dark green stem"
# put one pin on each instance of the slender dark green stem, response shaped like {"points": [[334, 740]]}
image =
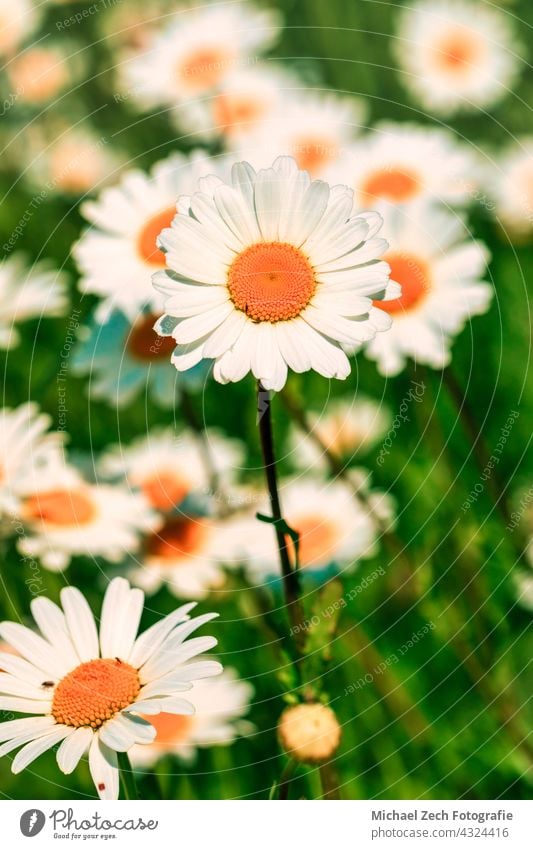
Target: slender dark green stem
{"points": [[127, 777], [285, 781], [329, 781], [290, 577]]}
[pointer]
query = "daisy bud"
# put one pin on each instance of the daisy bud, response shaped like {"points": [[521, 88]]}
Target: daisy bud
{"points": [[309, 733]]}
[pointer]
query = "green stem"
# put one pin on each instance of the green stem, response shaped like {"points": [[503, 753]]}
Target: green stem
{"points": [[330, 781], [127, 777]]}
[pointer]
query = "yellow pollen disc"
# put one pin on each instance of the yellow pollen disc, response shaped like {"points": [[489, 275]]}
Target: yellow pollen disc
{"points": [[94, 692], [271, 281]]}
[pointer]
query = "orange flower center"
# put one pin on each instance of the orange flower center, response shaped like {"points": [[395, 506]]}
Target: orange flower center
{"points": [[171, 728], [318, 539], [165, 490], [144, 344], [457, 52], [146, 240], [94, 692], [60, 507], [313, 154], [393, 184], [233, 112], [179, 537], [205, 68], [271, 281], [413, 276]]}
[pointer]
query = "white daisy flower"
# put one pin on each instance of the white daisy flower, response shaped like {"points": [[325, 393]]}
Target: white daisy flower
{"points": [[42, 72], [246, 99], [270, 272], [17, 23], [169, 466], [400, 163], [186, 555], [26, 448], [335, 529], [27, 293], [64, 516], [512, 187], [439, 268], [117, 255], [199, 49], [86, 688], [314, 127], [347, 427], [457, 55], [219, 707]]}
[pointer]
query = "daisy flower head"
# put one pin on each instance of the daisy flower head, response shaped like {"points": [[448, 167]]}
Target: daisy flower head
{"points": [[269, 272], [440, 270], [27, 447], [457, 55], [220, 705], [27, 293], [65, 516], [17, 23], [346, 428], [512, 188], [88, 689], [125, 359], [335, 530], [401, 163], [169, 466], [314, 127], [202, 45], [117, 255], [41, 73]]}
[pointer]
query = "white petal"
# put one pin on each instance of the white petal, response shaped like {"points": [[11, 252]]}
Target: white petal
{"points": [[11, 686], [32, 751], [226, 335], [73, 748], [120, 734], [267, 202], [191, 329], [25, 705], [163, 662], [22, 669], [149, 641], [33, 648], [155, 706], [52, 625], [200, 669], [121, 613], [25, 737], [14, 727], [81, 624], [103, 765], [237, 215]]}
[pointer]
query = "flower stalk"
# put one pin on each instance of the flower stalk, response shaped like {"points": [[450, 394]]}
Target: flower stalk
{"points": [[127, 777]]}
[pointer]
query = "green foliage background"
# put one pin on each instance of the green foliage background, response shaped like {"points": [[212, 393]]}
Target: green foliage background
{"points": [[450, 718]]}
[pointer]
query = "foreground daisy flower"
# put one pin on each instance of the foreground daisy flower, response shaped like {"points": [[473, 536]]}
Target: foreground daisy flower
{"points": [[26, 447], [27, 293], [311, 126], [198, 50], [64, 516], [439, 268], [345, 428], [125, 359], [117, 256], [456, 55], [400, 163], [169, 465], [271, 272], [512, 188], [219, 707], [86, 688]]}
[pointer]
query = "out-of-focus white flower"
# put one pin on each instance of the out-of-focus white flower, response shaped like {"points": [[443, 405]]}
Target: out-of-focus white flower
{"points": [[400, 163], [219, 706], [64, 516], [197, 51], [27, 447], [40, 73], [168, 466], [270, 272], [27, 293], [440, 268], [118, 254], [17, 22], [511, 186], [88, 689], [457, 55], [347, 427], [314, 127]]}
